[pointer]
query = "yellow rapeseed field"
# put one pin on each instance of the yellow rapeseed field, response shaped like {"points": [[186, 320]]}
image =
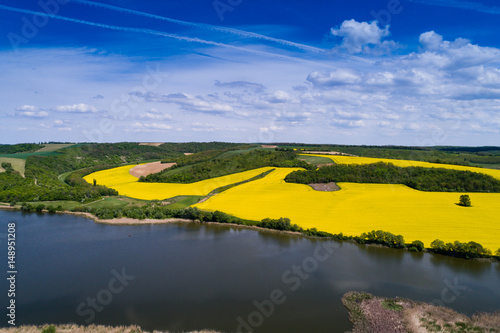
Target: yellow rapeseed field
{"points": [[121, 180], [406, 163], [359, 208], [355, 209]]}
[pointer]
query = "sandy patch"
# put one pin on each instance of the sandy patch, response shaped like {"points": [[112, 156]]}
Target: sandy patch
{"points": [[187, 154], [154, 144], [269, 146], [128, 220], [146, 169]]}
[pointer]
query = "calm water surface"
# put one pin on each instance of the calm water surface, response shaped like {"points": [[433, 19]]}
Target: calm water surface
{"points": [[182, 277]]}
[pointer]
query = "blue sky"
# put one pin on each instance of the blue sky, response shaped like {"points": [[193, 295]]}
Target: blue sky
{"points": [[409, 72]]}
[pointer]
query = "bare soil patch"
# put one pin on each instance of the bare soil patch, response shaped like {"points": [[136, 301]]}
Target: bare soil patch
{"points": [[269, 146], [325, 153], [187, 154], [326, 187], [146, 169], [154, 144]]}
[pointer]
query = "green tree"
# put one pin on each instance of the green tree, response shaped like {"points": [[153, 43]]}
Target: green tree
{"points": [[416, 246], [465, 201]]}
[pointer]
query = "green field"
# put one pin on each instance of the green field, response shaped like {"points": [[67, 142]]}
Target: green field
{"points": [[236, 152], [51, 147], [17, 164], [315, 160], [182, 202], [107, 202], [49, 150], [25, 156]]}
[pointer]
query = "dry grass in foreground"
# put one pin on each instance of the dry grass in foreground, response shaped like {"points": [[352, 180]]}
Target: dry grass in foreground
{"points": [[371, 314], [70, 328]]}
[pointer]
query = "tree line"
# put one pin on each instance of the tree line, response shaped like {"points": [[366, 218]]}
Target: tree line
{"points": [[217, 167], [419, 178], [20, 148]]}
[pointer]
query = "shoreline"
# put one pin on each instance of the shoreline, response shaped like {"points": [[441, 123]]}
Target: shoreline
{"points": [[131, 221]]}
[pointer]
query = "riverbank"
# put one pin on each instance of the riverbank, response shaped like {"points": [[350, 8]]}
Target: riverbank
{"points": [[83, 329], [371, 314]]}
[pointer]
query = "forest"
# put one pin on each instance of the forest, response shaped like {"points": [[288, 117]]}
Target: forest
{"points": [[419, 178], [19, 148]]}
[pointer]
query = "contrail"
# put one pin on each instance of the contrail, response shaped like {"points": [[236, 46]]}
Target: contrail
{"points": [[469, 5], [238, 32], [159, 33]]}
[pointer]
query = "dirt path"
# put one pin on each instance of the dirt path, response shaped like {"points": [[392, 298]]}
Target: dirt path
{"points": [[146, 169]]}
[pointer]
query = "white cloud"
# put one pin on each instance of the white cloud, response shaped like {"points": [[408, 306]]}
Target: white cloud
{"points": [[31, 112], [77, 108], [431, 40], [280, 96], [338, 77], [138, 126], [363, 37]]}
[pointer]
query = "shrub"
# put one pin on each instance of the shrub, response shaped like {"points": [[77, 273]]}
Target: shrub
{"points": [[461, 250], [49, 329]]}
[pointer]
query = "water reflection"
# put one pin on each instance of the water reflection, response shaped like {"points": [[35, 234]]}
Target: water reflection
{"points": [[458, 265], [191, 276]]}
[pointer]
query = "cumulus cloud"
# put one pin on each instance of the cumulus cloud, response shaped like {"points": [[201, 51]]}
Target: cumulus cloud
{"points": [[30, 111], [363, 37], [76, 108]]}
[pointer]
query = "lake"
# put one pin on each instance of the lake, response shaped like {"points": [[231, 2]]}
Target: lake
{"points": [[187, 276]]}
